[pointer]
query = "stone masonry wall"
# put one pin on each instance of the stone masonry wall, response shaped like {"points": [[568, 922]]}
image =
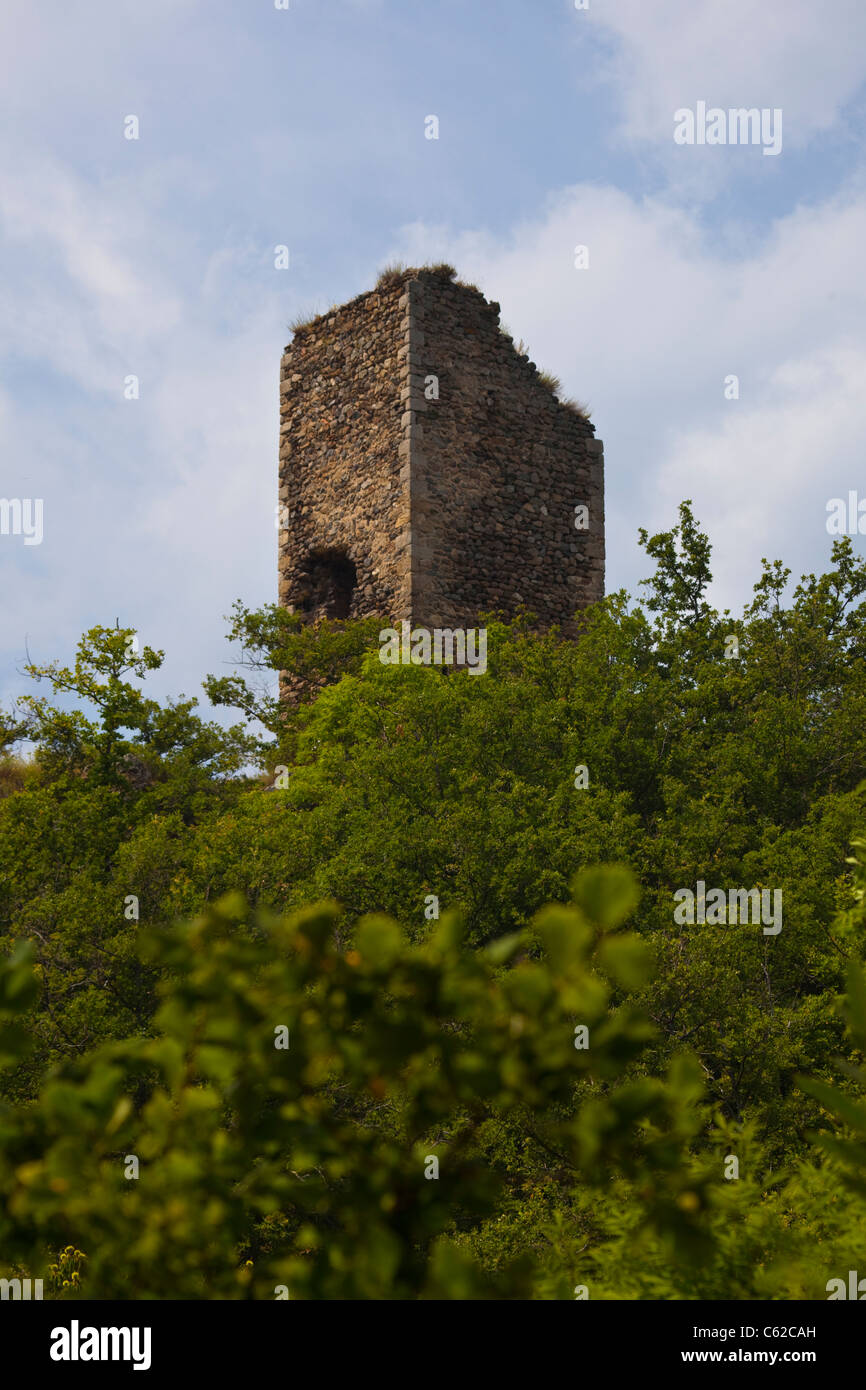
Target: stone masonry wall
{"points": [[340, 461], [431, 509], [498, 466]]}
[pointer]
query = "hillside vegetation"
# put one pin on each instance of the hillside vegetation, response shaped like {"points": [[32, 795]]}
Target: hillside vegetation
{"points": [[385, 993]]}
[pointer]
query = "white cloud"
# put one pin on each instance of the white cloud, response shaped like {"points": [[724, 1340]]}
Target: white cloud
{"points": [[158, 511], [807, 58]]}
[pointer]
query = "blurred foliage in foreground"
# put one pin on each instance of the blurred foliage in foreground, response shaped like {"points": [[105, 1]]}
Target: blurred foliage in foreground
{"points": [[310, 1122]]}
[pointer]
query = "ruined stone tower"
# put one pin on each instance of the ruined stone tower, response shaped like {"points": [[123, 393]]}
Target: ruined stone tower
{"points": [[427, 471]]}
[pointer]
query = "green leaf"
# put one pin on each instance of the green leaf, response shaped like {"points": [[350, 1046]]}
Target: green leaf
{"points": [[379, 940], [627, 959], [565, 935], [608, 894]]}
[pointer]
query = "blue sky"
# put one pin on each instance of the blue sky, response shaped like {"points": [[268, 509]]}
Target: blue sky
{"points": [[305, 127]]}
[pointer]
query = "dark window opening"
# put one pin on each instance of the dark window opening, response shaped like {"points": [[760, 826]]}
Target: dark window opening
{"points": [[331, 580]]}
